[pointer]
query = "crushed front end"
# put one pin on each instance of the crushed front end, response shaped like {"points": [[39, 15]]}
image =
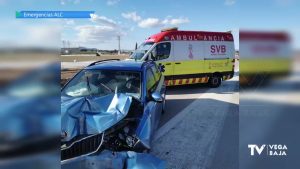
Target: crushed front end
{"points": [[91, 125]]}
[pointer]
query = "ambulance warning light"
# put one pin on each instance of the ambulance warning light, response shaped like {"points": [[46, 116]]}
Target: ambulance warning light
{"points": [[170, 29]]}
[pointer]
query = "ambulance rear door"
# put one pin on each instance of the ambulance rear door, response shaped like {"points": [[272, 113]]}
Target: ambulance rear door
{"points": [[218, 56]]}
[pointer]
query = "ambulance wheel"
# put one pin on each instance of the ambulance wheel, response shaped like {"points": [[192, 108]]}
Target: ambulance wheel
{"points": [[215, 81]]}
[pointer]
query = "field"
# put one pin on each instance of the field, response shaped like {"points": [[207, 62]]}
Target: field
{"points": [[89, 57], [67, 73]]}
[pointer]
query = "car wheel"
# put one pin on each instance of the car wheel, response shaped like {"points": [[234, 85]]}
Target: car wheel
{"points": [[215, 81]]}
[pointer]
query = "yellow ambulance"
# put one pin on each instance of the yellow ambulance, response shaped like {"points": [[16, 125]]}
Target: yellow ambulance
{"points": [[190, 57]]}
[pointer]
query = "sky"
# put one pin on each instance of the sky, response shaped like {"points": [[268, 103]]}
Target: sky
{"points": [[136, 20]]}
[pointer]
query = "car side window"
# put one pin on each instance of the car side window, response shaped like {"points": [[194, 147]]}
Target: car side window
{"points": [[161, 51], [150, 81], [156, 72]]}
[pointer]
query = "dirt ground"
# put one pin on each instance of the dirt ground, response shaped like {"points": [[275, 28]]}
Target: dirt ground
{"points": [[81, 58], [67, 74]]}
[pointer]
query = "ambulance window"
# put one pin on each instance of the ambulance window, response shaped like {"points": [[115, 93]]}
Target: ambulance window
{"points": [[162, 50]]}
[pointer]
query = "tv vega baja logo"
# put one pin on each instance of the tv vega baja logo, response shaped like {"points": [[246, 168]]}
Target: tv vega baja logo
{"points": [[268, 149]]}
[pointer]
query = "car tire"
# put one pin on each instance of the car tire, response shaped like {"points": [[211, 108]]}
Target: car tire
{"points": [[215, 81]]}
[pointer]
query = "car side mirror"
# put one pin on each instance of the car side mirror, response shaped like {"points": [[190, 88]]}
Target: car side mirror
{"points": [[156, 96], [161, 67]]}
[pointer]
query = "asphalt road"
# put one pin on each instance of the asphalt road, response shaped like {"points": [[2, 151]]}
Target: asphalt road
{"points": [[210, 128], [180, 97], [200, 127], [271, 115]]}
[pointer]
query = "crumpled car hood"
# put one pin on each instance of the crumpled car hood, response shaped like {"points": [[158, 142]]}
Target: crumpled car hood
{"points": [[92, 115]]}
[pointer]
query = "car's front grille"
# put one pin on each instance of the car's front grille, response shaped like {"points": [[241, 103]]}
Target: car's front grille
{"points": [[82, 146]]}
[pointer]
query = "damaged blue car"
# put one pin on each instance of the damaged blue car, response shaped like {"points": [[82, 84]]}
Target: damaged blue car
{"points": [[111, 106]]}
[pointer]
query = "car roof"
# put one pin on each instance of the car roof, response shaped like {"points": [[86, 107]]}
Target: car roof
{"points": [[129, 65]]}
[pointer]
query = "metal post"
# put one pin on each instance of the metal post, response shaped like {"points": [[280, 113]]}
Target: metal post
{"points": [[119, 40]]}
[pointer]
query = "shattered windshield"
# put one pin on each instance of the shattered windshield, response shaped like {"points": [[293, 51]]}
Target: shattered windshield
{"points": [[104, 82], [141, 50]]}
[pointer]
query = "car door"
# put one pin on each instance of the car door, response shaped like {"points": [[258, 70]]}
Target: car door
{"points": [[152, 107], [159, 88]]}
